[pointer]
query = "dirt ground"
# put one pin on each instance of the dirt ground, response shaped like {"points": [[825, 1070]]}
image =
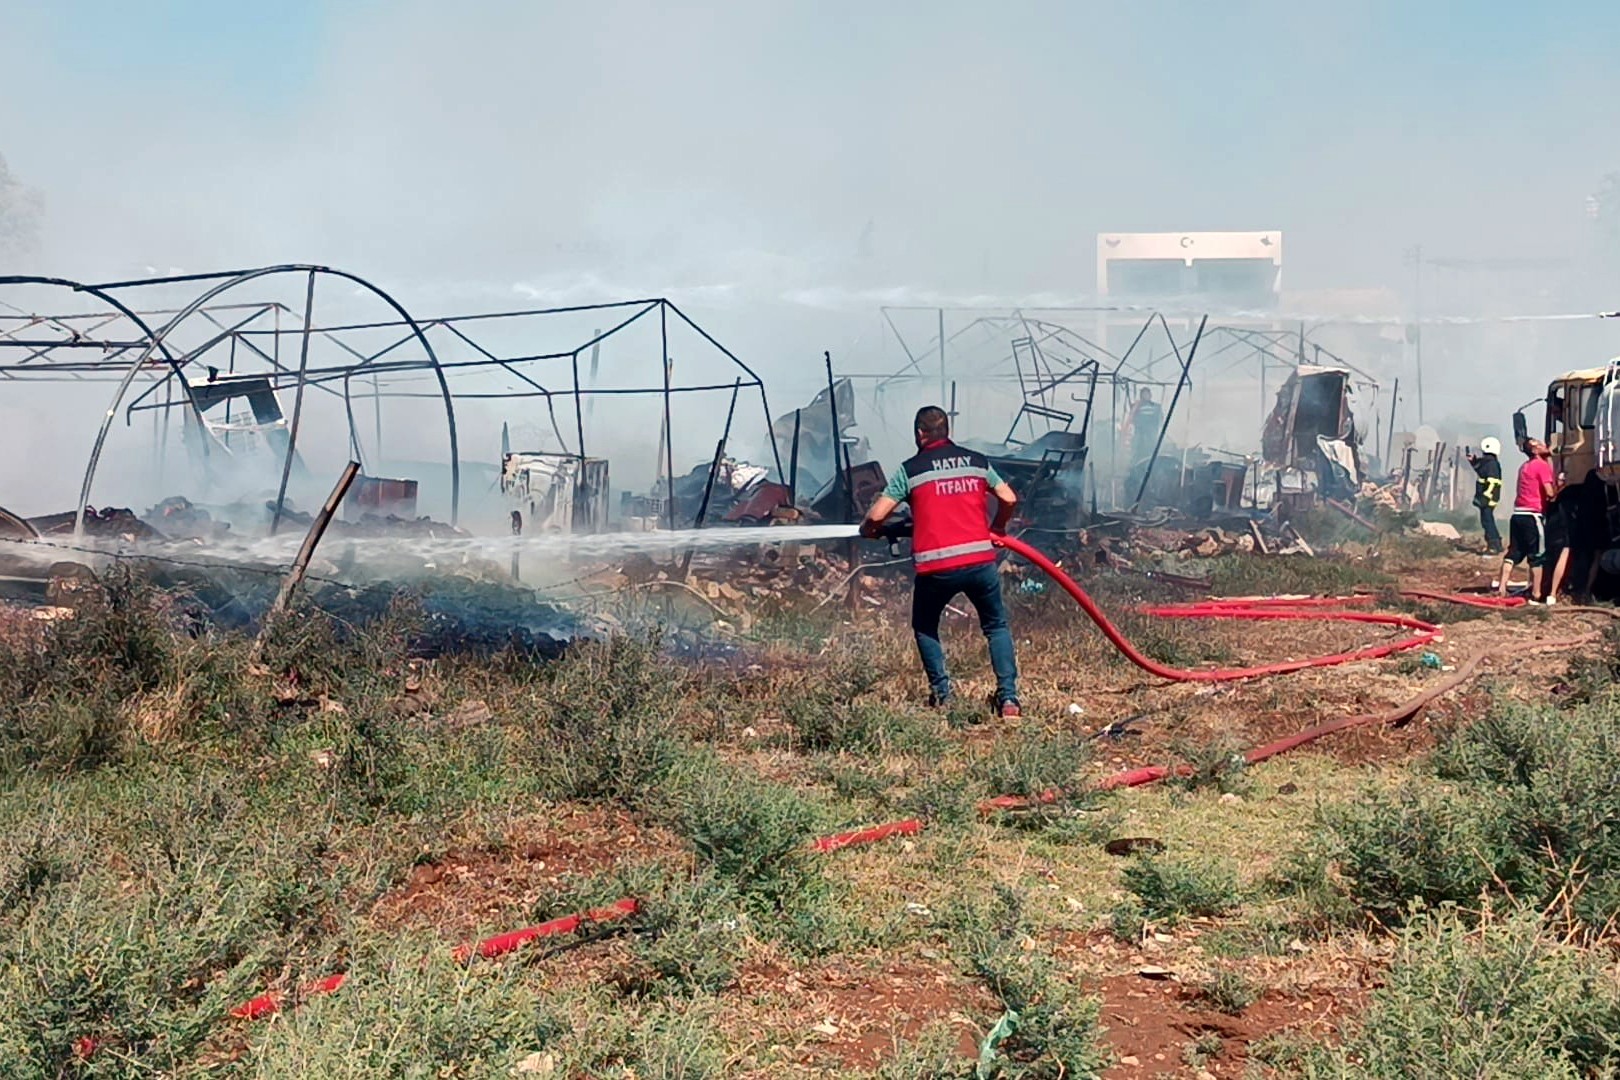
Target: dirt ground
{"points": [[1157, 1028], [468, 889]]}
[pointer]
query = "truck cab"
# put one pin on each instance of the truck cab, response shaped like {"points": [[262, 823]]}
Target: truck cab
{"points": [[1583, 418], [1573, 401]]}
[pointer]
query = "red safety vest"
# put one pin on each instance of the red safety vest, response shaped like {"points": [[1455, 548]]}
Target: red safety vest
{"points": [[948, 488]]}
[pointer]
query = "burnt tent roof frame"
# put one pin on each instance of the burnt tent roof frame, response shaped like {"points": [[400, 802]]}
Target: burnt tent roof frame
{"points": [[244, 337], [225, 281]]}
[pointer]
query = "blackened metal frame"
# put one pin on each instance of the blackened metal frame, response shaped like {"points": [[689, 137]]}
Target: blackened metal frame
{"points": [[82, 331]]}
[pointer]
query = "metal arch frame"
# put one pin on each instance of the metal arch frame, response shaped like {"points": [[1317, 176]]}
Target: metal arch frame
{"points": [[999, 321], [174, 320], [231, 279], [153, 338]]}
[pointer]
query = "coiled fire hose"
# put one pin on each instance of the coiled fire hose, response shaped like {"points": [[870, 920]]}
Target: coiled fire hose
{"points": [[1251, 608], [1305, 609]]}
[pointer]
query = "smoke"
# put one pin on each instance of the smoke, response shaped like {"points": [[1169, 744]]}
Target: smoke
{"points": [[782, 170]]}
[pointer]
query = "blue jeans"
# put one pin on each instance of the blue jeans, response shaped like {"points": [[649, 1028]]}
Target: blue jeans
{"points": [[982, 586]]}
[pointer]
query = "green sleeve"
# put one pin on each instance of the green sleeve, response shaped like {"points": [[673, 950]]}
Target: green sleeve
{"points": [[899, 486], [992, 477]]}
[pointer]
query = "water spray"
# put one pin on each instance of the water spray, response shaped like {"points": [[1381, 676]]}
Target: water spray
{"points": [[279, 550]]}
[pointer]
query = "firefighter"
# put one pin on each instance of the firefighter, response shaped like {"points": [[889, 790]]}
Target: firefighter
{"points": [[1142, 423], [949, 488], [1488, 490]]}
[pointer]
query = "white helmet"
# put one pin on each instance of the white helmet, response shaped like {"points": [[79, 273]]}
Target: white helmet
{"points": [[1490, 445]]}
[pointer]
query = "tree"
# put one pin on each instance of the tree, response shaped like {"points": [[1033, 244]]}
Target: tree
{"points": [[22, 210]]}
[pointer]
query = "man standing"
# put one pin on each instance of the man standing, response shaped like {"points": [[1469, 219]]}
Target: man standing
{"points": [[949, 488], [1527, 529], [1488, 490], [1143, 422]]}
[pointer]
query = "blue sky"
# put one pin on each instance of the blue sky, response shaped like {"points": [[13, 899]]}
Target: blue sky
{"points": [[259, 58]]}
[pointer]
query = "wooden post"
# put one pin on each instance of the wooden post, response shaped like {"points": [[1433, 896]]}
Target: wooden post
{"points": [[306, 551]]}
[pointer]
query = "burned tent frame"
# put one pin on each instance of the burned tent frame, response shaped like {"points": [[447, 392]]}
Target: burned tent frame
{"points": [[54, 348], [473, 335], [1039, 350], [1027, 340], [156, 341]]}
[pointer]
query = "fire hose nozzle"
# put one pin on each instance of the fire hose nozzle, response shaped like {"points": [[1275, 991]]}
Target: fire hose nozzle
{"points": [[895, 530]]}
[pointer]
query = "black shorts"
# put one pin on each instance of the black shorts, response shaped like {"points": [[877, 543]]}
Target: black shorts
{"points": [[1527, 538]]}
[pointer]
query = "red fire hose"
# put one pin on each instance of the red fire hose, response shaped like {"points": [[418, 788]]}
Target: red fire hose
{"points": [[501, 944], [270, 1003], [1259, 608]]}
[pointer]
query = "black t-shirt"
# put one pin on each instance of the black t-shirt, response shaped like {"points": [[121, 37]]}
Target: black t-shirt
{"points": [[1488, 486], [1487, 466]]}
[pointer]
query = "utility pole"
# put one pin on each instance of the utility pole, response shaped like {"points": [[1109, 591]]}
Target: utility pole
{"points": [[1414, 257]]}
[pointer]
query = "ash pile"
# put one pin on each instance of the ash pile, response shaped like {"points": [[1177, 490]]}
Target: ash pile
{"points": [[471, 606]]}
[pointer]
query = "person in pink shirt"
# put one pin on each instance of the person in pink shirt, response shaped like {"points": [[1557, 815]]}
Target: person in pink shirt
{"points": [[1527, 528]]}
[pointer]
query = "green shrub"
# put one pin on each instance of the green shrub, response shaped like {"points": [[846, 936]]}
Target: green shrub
{"points": [[1503, 999], [1217, 763], [65, 699], [1127, 921], [1031, 763], [961, 714], [315, 654], [692, 938], [609, 729], [855, 779], [826, 711], [1285, 1051], [1258, 575], [145, 952], [1309, 875], [1525, 802], [1055, 1030], [400, 1015], [944, 798], [665, 1041], [1594, 672], [1262, 937], [1417, 844], [933, 1054], [1506, 747], [822, 723], [754, 837], [1171, 888], [1229, 991], [749, 831], [375, 758], [1207, 1047]]}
